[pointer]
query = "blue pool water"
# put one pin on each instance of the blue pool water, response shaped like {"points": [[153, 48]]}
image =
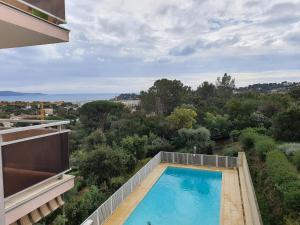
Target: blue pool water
{"points": [[181, 197]]}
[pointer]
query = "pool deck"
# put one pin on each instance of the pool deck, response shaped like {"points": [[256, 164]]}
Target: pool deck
{"points": [[231, 204]]}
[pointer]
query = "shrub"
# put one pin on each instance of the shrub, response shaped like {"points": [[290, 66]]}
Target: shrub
{"points": [[135, 145], [235, 135], [279, 168], [248, 138], [285, 176], [231, 151], [263, 145], [286, 125], [199, 137]]}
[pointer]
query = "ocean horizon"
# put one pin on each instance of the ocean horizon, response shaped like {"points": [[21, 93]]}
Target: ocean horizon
{"points": [[74, 98]]}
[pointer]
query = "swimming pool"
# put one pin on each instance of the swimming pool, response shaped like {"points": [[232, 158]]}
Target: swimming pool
{"points": [[181, 196]]}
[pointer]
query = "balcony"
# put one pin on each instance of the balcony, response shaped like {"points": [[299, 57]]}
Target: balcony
{"points": [[32, 22], [35, 159]]}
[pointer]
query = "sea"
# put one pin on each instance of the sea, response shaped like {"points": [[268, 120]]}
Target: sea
{"points": [[74, 98]]}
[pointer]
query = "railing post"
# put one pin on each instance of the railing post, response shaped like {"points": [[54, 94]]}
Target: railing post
{"points": [[217, 161], [98, 222], [122, 193], [226, 162], [187, 159], [111, 204], [2, 207], [201, 159], [173, 155]]}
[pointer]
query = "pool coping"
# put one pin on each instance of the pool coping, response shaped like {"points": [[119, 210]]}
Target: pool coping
{"points": [[231, 212]]}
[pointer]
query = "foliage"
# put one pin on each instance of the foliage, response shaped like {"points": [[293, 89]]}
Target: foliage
{"points": [[284, 174], [199, 137], [78, 209], [95, 115], [231, 151], [218, 125], [135, 145], [235, 134], [286, 125], [95, 139], [182, 118], [104, 163], [225, 85], [263, 145], [248, 138], [295, 92], [164, 96]]}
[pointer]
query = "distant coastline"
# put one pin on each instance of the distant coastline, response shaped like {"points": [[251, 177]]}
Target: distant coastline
{"points": [[13, 93], [74, 98]]}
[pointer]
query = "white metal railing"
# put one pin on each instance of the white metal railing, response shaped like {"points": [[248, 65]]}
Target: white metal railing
{"points": [[100, 215]]}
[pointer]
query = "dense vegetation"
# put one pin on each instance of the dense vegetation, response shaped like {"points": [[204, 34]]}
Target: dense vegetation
{"points": [[109, 142]]}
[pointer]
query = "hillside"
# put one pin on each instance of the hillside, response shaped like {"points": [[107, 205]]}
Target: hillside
{"points": [[268, 87]]}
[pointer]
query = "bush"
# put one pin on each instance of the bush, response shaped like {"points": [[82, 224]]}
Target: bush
{"points": [[135, 145], [231, 151], [116, 183], [263, 145], [248, 138], [286, 125], [235, 134], [199, 137], [285, 176]]}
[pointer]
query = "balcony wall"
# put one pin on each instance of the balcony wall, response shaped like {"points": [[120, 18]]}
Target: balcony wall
{"points": [[28, 162], [54, 7]]}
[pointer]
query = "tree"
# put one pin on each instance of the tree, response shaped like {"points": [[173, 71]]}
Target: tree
{"points": [[225, 86], [94, 115], [135, 145], [182, 118], [218, 125], [103, 163], [95, 138], [286, 125], [164, 96], [206, 91], [199, 137], [295, 93]]}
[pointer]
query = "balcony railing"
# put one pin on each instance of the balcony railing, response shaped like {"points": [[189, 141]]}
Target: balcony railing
{"points": [[51, 10], [32, 154]]}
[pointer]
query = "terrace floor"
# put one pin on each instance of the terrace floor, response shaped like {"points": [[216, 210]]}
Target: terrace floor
{"points": [[231, 203]]}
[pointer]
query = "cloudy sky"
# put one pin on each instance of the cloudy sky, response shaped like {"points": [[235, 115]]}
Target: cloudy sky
{"points": [[124, 45]]}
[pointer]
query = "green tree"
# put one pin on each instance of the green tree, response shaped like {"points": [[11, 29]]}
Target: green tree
{"points": [[199, 137], [295, 93], [135, 145], [95, 115], [182, 118], [95, 139], [218, 125], [225, 86], [164, 96], [102, 164], [286, 125]]}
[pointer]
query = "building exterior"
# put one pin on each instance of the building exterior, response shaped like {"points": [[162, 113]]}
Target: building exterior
{"points": [[32, 22], [33, 166], [34, 157]]}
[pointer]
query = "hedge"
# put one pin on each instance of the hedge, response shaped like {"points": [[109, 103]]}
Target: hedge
{"points": [[285, 176]]}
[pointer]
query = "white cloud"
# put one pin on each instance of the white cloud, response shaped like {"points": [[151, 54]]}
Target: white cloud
{"points": [[126, 44]]}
